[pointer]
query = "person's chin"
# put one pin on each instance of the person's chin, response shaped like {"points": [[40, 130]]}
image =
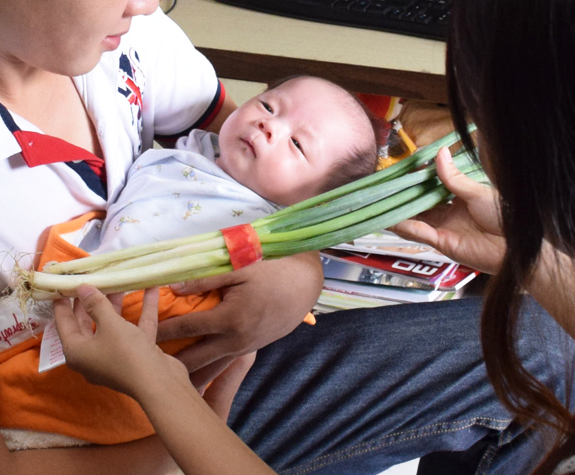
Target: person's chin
{"points": [[83, 66]]}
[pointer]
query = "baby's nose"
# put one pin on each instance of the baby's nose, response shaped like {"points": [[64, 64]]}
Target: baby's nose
{"points": [[272, 129], [265, 128]]}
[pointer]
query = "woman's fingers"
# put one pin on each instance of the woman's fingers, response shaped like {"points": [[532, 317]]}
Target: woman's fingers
{"points": [[455, 181], [85, 322], [203, 376], [66, 321], [201, 323], [117, 301], [416, 230], [149, 319]]}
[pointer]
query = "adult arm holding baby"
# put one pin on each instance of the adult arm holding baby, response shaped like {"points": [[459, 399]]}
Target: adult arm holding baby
{"points": [[249, 295], [87, 97], [48, 92]]}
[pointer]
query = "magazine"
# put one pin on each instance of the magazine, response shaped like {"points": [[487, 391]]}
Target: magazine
{"points": [[388, 243], [377, 293], [396, 271]]}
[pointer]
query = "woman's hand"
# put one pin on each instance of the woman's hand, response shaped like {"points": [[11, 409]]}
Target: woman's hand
{"points": [[468, 230], [125, 357], [261, 303], [119, 354]]}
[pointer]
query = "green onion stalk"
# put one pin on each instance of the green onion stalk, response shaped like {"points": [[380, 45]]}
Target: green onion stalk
{"points": [[368, 205]]}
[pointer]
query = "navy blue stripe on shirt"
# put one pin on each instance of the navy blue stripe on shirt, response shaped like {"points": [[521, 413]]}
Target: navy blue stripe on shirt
{"points": [[215, 102], [8, 119], [90, 178]]}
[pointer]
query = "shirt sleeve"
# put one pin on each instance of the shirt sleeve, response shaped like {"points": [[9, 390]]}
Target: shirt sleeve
{"points": [[205, 120], [182, 89]]}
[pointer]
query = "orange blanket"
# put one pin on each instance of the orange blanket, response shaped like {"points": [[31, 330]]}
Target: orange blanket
{"points": [[60, 400]]}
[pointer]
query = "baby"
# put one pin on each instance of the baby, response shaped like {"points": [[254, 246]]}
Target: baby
{"points": [[299, 138]]}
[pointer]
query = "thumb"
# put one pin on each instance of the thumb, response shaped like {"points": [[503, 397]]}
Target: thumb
{"points": [[204, 284], [455, 181]]}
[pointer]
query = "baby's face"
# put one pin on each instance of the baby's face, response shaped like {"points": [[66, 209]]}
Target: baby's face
{"points": [[283, 143]]}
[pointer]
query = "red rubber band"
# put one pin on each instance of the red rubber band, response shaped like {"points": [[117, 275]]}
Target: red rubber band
{"points": [[243, 244]]}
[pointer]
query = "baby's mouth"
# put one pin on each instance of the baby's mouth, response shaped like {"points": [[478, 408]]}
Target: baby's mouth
{"points": [[250, 146]]}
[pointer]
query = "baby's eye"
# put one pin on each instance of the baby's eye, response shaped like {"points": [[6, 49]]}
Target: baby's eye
{"points": [[267, 107], [297, 144]]}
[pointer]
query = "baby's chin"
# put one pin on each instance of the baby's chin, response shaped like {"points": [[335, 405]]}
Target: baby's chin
{"points": [[286, 199], [225, 166], [271, 196]]}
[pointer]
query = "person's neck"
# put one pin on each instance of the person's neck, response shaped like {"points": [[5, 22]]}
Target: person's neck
{"points": [[28, 91], [48, 100]]}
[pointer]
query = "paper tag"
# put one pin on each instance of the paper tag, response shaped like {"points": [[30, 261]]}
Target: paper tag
{"points": [[17, 327], [51, 351]]}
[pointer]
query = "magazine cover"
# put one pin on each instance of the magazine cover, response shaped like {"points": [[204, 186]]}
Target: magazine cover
{"points": [[391, 270], [388, 243]]}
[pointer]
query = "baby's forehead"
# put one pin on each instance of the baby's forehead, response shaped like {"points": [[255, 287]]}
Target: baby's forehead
{"points": [[331, 104], [338, 97], [307, 83]]}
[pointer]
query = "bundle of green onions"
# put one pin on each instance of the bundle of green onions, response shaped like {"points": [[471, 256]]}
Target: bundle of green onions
{"points": [[341, 215]]}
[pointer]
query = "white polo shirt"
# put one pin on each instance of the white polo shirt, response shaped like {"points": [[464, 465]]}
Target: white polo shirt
{"points": [[155, 83]]}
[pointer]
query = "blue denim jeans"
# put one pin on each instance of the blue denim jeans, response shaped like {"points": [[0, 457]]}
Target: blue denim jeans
{"points": [[366, 389]]}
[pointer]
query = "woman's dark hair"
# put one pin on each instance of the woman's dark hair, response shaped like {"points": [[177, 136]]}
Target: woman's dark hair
{"points": [[511, 69]]}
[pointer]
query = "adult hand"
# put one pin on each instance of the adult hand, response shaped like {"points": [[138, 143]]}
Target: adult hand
{"points": [[260, 303], [221, 392], [468, 230], [119, 354]]}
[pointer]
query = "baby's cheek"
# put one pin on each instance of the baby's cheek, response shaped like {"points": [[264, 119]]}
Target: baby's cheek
{"points": [[271, 190]]}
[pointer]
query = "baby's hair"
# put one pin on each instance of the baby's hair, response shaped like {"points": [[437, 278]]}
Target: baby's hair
{"points": [[362, 161]]}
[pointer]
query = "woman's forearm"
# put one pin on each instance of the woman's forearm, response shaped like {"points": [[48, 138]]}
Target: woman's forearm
{"points": [[144, 457], [7, 460], [195, 436]]}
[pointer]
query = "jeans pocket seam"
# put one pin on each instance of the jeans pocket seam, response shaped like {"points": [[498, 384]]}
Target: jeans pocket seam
{"points": [[496, 424]]}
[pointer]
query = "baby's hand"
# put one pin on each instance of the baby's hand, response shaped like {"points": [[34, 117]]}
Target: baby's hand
{"points": [[119, 355]]}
